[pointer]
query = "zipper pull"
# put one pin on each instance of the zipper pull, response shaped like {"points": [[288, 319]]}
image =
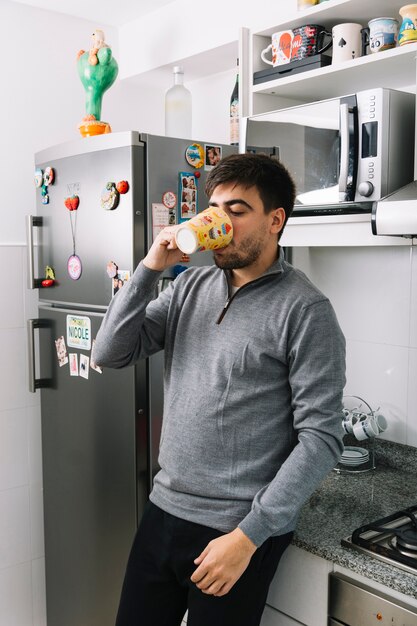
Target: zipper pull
{"points": [[223, 313]]}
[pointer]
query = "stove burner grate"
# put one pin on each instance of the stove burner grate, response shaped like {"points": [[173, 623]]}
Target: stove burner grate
{"points": [[392, 539]]}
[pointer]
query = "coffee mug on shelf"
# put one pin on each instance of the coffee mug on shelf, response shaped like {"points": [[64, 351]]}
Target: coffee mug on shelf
{"points": [[281, 45], [308, 40], [348, 42], [408, 28], [382, 34]]}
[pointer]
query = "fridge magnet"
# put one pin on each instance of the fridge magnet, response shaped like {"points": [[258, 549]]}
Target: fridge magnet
{"points": [[194, 155], [213, 154], [72, 202], [38, 177], [93, 364], [120, 280], [84, 360], [48, 176], [79, 332], [122, 186], [73, 361], [109, 197], [97, 69], [169, 199], [49, 279], [61, 351], [111, 269], [162, 217], [74, 267], [187, 194], [44, 195]]}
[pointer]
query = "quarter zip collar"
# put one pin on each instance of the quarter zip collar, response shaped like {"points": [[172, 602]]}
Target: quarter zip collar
{"points": [[278, 267]]}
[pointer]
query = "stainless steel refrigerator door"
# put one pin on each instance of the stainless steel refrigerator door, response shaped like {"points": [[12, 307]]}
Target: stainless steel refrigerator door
{"points": [[94, 477], [165, 158], [100, 235]]}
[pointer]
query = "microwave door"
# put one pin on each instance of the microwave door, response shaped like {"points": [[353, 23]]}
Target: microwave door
{"points": [[348, 153], [306, 139]]}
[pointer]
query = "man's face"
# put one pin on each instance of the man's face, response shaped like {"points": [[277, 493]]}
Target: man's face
{"points": [[251, 226]]}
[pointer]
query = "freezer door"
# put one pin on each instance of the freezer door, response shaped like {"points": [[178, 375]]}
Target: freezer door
{"points": [[98, 235], [165, 159], [94, 477]]}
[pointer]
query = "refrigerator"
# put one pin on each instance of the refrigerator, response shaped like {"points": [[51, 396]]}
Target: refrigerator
{"points": [[100, 430]]}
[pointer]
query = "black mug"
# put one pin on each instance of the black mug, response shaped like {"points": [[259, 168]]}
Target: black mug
{"points": [[308, 41]]}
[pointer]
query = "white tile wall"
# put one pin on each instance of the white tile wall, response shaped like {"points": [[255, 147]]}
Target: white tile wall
{"points": [[412, 400], [16, 595], [374, 293], [22, 568], [413, 307]]}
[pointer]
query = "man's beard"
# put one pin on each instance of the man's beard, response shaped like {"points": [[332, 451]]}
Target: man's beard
{"points": [[249, 251]]}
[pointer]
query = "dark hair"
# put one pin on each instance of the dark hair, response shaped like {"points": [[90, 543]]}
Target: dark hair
{"points": [[271, 178]]}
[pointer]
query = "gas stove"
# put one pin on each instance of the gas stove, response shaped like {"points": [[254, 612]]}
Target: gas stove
{"points": [[392, 539]]}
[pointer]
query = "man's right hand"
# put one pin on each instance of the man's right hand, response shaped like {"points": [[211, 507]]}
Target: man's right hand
{"points": [[164, 251]]}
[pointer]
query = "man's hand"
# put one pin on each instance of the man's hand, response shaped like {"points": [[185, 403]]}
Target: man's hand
{"points": [[164, 251], [223, 562]]}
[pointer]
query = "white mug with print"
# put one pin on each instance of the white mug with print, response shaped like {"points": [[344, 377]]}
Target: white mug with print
{"points": [[347, 42]]}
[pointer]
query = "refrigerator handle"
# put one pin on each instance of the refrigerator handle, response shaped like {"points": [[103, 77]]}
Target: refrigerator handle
{"points": [[34, 383], [31, 222]]}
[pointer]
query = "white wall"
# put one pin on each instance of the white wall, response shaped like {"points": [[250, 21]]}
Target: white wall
{"points": [[374, 293]]}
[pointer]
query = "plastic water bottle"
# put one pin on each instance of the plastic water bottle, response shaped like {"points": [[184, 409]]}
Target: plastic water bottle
{"points": [[178, 107]]}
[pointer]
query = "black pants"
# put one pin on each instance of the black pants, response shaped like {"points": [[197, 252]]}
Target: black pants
{"points": [[157, 589]]}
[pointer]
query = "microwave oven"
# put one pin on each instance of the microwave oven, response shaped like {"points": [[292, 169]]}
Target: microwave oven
{"points": [[344, 153]]}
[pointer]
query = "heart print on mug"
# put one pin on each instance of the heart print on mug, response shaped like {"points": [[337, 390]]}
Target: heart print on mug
{"points": [[281, 44]]}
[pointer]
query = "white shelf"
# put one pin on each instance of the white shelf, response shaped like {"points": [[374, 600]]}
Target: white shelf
{"points": [[392, 68], [336, 11], [336, 230]]}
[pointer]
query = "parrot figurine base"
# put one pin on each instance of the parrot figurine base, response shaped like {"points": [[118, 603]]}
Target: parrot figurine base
{"points": [[89, 127]]}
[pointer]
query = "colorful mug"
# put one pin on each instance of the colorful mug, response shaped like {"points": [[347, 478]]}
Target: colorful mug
{"points": [[209, 230], [383, 33], [408, 28], [281, 45]]}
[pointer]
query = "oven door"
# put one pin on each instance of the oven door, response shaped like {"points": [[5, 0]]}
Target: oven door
{"points": [[351, 603], [318, 143]]}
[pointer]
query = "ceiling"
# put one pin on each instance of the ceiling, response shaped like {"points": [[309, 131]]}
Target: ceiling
{"points": [[114, 13]]}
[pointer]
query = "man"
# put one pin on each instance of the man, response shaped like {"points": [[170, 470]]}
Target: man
{"points": [[254, 374]]}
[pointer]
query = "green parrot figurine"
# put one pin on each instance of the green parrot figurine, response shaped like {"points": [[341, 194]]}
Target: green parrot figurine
{"points": [[97, 70]]}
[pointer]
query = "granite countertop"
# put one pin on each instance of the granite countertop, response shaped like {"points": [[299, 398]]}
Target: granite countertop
{"points": [[345, 502]]}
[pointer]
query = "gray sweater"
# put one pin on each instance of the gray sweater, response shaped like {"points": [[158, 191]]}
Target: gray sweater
{"points": [[252, 392]]}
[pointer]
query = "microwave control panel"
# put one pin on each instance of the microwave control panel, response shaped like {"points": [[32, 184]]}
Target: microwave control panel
{"points": [[386, 142]]}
